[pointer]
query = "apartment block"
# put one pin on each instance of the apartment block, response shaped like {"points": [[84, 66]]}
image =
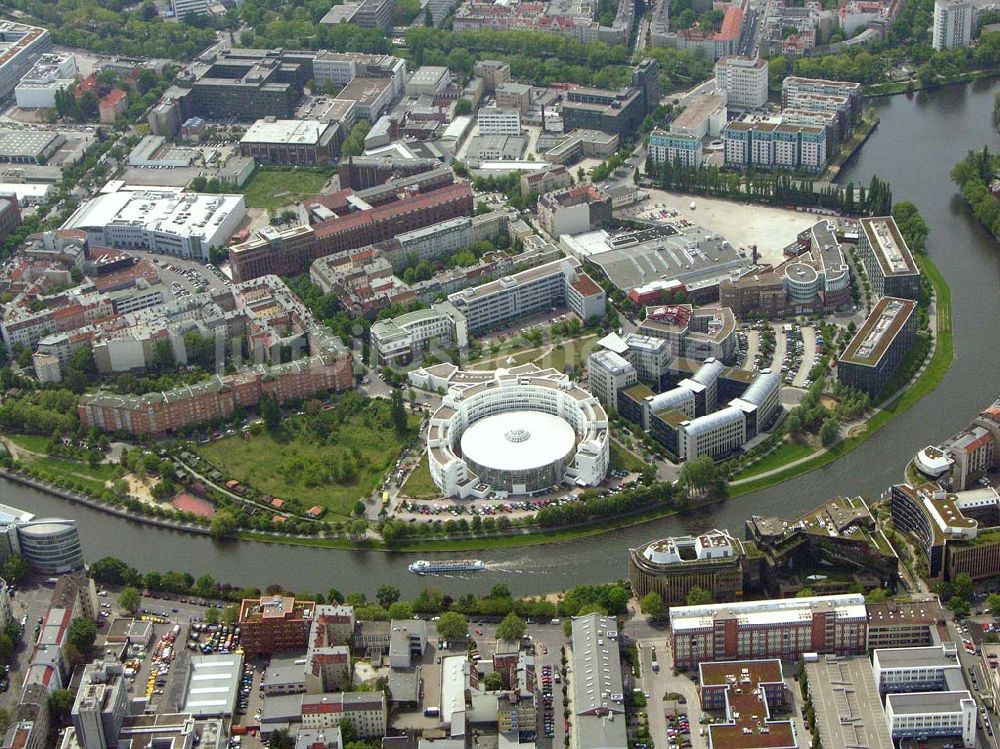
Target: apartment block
{"points": [[218, 398], [671, 148], [774, 145], [953, 24]]}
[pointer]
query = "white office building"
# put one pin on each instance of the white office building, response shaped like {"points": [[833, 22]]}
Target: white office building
{"points": [[953, 21], [715, 434], [926, 669], [54, 71], [544, 287], [609, 373], [165, 220], [921, 715], [400, 339], [744, 81], [495, 121]]}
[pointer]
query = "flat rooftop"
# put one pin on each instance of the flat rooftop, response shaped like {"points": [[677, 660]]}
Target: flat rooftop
{"points": [[765, 613], [721, 673], [889, 246], [286, 132], [918, 703], [693, 255], [880, 329], [916, 657], [848, 708]]}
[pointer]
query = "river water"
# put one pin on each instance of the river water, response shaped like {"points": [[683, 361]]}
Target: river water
{"points": [[918, 141]]}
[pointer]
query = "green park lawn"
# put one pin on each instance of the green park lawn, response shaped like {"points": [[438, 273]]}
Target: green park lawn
{"points": [[35, 443], [297, 463], [419, 484], [274, 188], [621, 459]]}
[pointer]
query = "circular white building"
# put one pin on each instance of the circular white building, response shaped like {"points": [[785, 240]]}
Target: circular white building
{"points": [[514, 431]]}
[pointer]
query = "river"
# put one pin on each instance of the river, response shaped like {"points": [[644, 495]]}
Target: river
{"points": [[919, 139]]}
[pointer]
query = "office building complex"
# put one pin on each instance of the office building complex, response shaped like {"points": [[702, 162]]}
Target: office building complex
{"points": [[925, 693], [915, 623], [879, 346], [916, 669], [556, 284], [784, 628], [671, 567], [700, 334], [840, 535], [968, 455], [598, 689], [245, 84], [888, 261], [574, 210], [21, 46], [958, 532], [953, 23], [50, 545], [515, 431], [815, 279], [162, 220], [291, 142], [620, 112], [744, 81], [402, 339], [850, 711], [748, 691], [343, 225]]}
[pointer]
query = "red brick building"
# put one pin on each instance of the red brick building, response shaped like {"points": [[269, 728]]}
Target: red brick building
{"points": [[274, 623], [10, 215], [218, 398], [290, 252]]}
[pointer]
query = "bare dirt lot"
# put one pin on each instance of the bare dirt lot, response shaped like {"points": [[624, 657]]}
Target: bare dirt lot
{"points": [[771, 229]]}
